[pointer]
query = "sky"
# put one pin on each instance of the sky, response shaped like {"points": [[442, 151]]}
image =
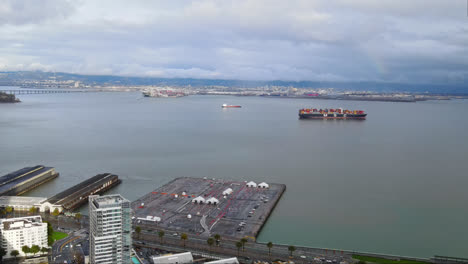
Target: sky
{"points": [[411, 41]]}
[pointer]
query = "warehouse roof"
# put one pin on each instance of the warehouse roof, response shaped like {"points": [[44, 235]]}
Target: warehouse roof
{"points": [[20, 200]]}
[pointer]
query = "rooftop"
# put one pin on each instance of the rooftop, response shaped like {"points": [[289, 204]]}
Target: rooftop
{"points": [[20, 222], [106, 200], [20, 200]]}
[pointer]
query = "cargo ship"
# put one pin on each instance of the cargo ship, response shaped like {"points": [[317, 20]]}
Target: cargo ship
{"points": [[230, 106], [313, 113], [164, 93], [26, 179]]}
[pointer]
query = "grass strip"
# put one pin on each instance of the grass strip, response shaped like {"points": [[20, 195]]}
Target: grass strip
{"points": [[387, 261]]}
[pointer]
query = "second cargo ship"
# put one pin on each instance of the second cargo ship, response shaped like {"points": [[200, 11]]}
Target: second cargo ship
{"points": [[230, 106], [313, 113]]}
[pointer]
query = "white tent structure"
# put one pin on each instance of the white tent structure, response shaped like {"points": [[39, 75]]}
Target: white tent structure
{"points": [[212, 200], [251, 184], [264, 185], [199, 200], [228, 191]]}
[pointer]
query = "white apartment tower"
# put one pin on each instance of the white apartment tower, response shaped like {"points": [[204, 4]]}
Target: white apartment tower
{"points": [[110, 229], [22, 231]]}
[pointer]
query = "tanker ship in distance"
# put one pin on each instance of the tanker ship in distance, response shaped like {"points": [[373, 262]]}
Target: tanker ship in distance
{"points": [[313, 113]]}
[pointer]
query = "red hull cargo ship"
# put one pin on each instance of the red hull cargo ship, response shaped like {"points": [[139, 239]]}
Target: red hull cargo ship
{"points": [[230, 106], [313, 113]]}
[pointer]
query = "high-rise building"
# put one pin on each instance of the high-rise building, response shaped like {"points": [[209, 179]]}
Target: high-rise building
{"points": [[110, 229], [22, 231]]}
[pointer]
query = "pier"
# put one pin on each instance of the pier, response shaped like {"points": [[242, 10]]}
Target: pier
{"points": [[40, 91], [209, 206], [26, 179], [77, 195]]}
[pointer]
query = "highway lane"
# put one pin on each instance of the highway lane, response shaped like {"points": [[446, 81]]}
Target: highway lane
{"points": [[253, 250]]}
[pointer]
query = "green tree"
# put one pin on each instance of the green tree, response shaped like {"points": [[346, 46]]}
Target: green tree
{"points": [[14, 253], [184, 237], [161, 235], [44, 250], [238, 246], [78, 216], [243, 241], [210, 242], [26, 250], [32, 210], [362, 262], [138, 231], [50, 234], [8, 210], [35, 249], [56, 212], [269, 245], [2, 254], [291, 250], [218, 238]]}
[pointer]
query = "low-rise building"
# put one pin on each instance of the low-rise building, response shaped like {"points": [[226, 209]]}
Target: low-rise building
{"points": [[22, 231], [21, 203], [180, 258]]}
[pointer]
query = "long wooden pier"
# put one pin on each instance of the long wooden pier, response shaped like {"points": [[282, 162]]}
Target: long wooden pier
{"points": [[42, 91]]}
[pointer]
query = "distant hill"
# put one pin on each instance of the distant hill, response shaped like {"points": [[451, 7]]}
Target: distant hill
{"points": [[14, 77]]}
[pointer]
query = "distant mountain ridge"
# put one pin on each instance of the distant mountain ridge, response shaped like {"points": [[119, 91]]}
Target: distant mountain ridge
{"points": [[15, 77]]}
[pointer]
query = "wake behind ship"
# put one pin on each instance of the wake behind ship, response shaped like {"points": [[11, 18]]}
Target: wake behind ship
{"points": [[308, 113]]}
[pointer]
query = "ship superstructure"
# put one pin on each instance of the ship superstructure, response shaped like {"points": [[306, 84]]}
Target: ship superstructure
{"points": [[164, 92]]}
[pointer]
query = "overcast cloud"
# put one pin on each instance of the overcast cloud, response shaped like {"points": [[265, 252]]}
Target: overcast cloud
{"points": [[420, 41]]}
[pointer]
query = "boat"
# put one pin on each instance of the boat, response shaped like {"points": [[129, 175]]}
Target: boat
{"points": [[164, 92], [339, 113], [230, 106]]}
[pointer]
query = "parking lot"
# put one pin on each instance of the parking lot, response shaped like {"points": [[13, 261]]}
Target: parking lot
{"points": [[228, 208]]}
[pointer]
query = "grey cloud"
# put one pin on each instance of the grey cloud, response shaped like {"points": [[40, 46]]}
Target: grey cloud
{"points": [[34, 11], [290, 40]]}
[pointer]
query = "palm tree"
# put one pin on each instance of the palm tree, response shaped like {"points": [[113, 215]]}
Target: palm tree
{"points": [[210, 242], [238, 246], [14, 253], [35, 249], [184, 237], [243, 241], [161, 235], [26, 250], [218, 238], [269, 245], [44, 250], [291, 250], [138, 231]]}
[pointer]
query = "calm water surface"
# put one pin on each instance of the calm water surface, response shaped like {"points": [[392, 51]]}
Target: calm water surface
{"points": [[395, 183]]}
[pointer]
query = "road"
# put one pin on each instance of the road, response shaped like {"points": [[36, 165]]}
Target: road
{"points": [[253, 250], [70, 249]]}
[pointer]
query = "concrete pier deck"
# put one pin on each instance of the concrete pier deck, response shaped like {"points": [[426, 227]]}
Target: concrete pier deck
{"points": [[239, 214]]}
